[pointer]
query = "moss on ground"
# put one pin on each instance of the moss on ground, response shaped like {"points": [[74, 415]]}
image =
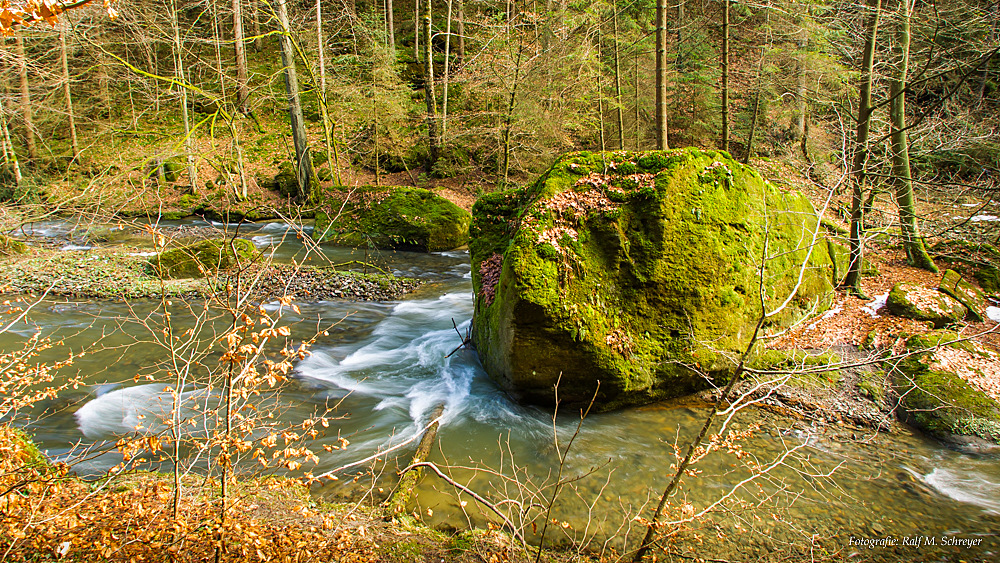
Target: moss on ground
{"points": [[395, 217], [939, 401], [914, 302], [202, 258], [619, 267]]}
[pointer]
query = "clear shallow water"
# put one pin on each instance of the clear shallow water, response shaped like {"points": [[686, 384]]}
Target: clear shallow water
{"points": [[383, 368]]}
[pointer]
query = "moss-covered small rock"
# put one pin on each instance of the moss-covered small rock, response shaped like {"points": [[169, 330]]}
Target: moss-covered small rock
{"points": [[637, 273], [922, 304], [202, 258], [9, 246], [936, 398], [392, 217], [965, 293]]}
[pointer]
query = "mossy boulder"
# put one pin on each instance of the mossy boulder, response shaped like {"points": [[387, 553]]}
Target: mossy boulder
{"points": [[392, 217], [965, 293], [922, 304], [202, 258], [638, 271], [936, 398], [9, 246]]}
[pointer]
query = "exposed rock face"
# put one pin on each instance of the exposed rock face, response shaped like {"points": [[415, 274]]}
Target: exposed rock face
{"points": [[948, 387], [922, 304], [393, 217], [965, 293], [202, 258], [637, 271]]}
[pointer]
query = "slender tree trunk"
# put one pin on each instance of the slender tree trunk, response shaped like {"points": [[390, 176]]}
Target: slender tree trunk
{"points": [[258, 38], [799, 129], [303, 162], [853, 279], [447, 61], [618, 80], [242, 88], [179, 73], [416, 30], [391, 31], [461, 32], [756, 109], [10, 156], [328, 126], [679, 32], [725, 75], [22, 74], [432, 125], [511, 104], [916, 254], [66, 91], [635, 98], [661, 75], [600, 84], [217, 35]]}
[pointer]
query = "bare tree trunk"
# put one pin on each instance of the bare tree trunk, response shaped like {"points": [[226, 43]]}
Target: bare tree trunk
{"points": [[391, 31], [461, 31], [242, 88], [10, 156], [432, 126], [916, 254], [66, 91], [217, 36], [416, 30], [258, 38], [303, 162], [799, 129], [22, 74], [852, 281], [331, 157], [618, 80], [756, 109], [600, 84], [725, 75], [661, 75], [179, 72], [635, 98], [447, 61], [679, 32], [511, 104]]}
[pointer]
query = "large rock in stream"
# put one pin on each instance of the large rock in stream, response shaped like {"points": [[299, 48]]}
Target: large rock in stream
{"points": [[392, 217], [638, 271]]}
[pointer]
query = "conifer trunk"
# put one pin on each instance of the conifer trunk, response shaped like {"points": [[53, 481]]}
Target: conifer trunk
{"points": [[661, 75], [725, 75], [390, 27], [618, 80]]}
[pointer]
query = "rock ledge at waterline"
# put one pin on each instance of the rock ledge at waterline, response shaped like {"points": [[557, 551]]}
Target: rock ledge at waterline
{"points": [[631, 268]]}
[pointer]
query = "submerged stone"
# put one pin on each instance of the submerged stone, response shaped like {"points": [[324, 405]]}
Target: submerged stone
{"points": [[636, 275], [392, 217], [919, 303], [202, 258], [966, 294]]}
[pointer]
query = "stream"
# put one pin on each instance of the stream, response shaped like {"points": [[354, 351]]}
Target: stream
{"points": [[383, 366]]}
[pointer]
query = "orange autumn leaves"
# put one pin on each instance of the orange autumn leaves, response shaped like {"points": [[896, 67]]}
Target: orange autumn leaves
{"points": [[15, 14]]}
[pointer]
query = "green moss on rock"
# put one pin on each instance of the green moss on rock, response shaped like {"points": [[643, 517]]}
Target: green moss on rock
{"points": [[202, 258], [395, 217], [965, 293], [922, 304], [939, 401], [9, 246], [631, 269]]}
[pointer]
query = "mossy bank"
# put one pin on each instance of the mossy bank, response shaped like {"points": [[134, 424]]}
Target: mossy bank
{"points": [[392, 217], [637, 275]]}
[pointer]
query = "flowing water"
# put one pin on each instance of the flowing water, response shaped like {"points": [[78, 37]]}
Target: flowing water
{"points": [[384, 366]]}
